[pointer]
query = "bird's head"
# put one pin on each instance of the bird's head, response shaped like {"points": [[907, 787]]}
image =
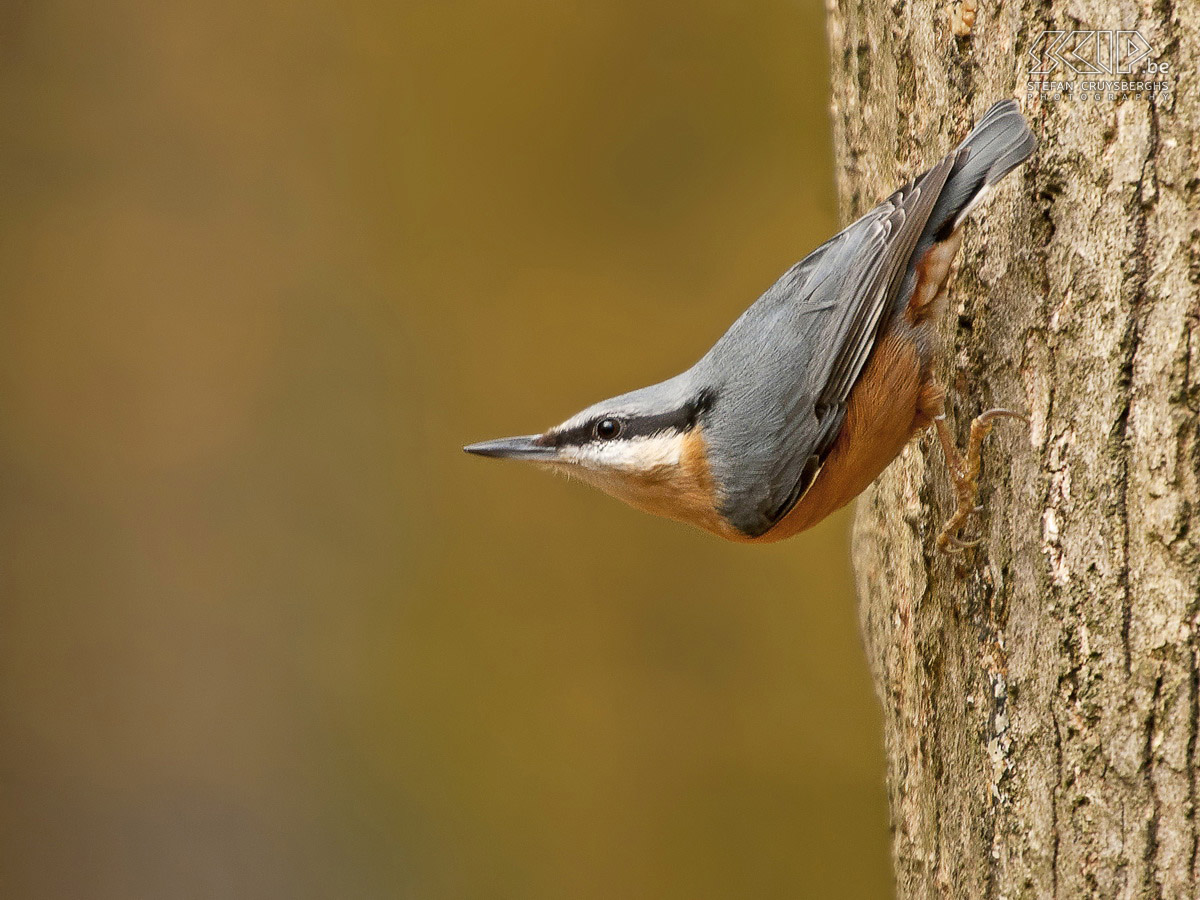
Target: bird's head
{"points": [[646, 448]]}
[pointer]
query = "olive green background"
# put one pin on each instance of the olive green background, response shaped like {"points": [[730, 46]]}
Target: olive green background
{"points": [[264, 630]]}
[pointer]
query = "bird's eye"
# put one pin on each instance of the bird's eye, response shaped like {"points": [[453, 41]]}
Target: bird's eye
{"points": [[607, 429]]}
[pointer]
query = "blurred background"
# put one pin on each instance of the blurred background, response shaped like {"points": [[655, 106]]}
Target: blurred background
{"points": [[264, 630]]}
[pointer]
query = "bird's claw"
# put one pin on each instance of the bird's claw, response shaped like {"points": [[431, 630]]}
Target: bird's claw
{"points": [[964, 472], [997, 412], [957, 545]]}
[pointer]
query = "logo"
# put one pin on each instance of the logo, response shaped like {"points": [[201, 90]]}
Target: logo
{"points": [[1095, 65]]}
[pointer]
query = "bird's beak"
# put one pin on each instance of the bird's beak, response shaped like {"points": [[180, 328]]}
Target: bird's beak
{"points": [[525, 447]]}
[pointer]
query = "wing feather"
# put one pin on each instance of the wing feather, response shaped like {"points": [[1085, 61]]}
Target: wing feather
{"points": [[832, 305]]}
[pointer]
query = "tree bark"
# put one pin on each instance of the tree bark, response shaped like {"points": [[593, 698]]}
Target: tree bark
{"points": [[1041, 694]]}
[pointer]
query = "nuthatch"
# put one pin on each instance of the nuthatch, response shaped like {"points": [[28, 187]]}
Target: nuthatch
{"points": [[816, 387]]}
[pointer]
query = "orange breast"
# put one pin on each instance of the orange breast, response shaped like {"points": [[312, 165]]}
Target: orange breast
{"points": [[892, 400]]}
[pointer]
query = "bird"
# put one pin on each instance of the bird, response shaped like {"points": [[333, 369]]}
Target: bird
{"points": [[816, 387]]}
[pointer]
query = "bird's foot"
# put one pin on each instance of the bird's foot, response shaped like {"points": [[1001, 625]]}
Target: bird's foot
{"points": [[964, 472]]}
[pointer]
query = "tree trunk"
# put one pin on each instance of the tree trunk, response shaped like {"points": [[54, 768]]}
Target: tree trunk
{"points": [[1040, 694]]}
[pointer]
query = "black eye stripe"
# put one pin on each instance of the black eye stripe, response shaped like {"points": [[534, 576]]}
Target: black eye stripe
{"points": [[580, 434], [681, 420]]}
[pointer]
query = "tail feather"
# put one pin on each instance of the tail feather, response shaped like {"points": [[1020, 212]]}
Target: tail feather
{"points": [[999, 142]]}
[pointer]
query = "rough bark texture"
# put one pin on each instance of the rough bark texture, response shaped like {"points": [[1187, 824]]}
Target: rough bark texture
{"points": [[1041, 694]]}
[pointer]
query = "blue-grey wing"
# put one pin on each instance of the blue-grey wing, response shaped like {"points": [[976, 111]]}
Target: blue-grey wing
{"points": [[784, 370]]}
